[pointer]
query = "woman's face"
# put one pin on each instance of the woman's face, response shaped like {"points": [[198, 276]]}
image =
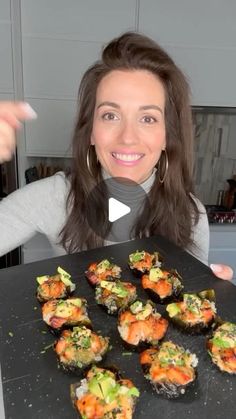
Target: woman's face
{"points": [[129, 123]]}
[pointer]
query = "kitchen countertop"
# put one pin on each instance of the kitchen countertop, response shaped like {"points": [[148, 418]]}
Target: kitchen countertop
{"points": [[223, 227]]}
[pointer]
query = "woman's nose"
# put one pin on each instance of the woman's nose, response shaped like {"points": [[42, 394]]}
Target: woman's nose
{"points": [[128, 133]]}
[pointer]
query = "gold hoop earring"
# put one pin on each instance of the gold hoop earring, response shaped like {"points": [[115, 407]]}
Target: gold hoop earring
{"points": [[88, 161], [161, 179]]}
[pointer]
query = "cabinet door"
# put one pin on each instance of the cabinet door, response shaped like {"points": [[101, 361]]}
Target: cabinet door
{"points": [[201, 37], [231, 144], [60, 40], [6, 72], [92, 21]]}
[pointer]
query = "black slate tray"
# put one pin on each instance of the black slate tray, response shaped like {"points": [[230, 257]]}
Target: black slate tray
{"points": [[34, 387]]}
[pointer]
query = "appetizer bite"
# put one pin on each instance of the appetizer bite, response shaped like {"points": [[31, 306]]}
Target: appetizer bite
{"points": [[56, 286], [102, 271], [61, 314], [161, 285], [114, 295], [140, 324], [103, 395], [141, 262], [80, 347], [170, 368], [222, 347], [195, 313]]}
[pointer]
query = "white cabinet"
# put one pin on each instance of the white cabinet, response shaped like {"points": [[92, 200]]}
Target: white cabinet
{"points": [[6, 72], [231, 149], [223, 245], [201, 37], [60, 40], [51, 133], [90, 21]]}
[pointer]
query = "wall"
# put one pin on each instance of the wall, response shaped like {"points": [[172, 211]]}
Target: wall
{"points": [[201, 37]]}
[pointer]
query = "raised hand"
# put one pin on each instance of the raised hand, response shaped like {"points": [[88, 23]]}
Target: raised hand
{"points": [[222, 271], [11, 115]]}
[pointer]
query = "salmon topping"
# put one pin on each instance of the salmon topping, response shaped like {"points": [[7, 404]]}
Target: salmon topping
{"points": [[169, 363], [163, 288], [222, 347], [103, 395], [143, 324], [102, 271], [143, 261], [72, 311], [80, 346]]}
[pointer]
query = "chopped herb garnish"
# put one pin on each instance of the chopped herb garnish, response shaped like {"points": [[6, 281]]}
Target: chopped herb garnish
{"points": [[85, 342], [79, 364], [46, 348]]}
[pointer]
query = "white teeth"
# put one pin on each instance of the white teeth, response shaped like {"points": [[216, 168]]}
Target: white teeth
{"points": [[127, 157]]}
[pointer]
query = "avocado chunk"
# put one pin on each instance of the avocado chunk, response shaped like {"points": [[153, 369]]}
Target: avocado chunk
{"points": [[173, 309], [102, 387], [103, 266], [42, 279], [136, 307], [114, 287], [65, 277], [155, 274], [76, 302], [142, 315], [137, 256]]}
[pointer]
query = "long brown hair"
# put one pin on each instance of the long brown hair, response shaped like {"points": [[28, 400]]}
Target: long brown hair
{"points": [[173, 211]]}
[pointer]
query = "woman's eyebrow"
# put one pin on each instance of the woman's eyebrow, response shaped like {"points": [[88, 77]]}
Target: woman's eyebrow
{"points": [[147, 107], [107, 103], [141, 108]]}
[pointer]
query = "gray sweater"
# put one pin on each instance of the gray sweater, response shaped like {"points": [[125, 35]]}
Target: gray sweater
{"points": [[41, 207]]}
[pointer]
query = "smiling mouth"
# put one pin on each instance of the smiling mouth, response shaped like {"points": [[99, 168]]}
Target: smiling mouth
{"points": [[127, 157]]}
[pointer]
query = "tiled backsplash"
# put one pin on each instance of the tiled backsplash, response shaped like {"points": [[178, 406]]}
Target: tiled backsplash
{"points": [[215, 151]]}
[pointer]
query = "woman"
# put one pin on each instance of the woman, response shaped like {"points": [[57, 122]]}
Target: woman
{"points": [[134, 121]]}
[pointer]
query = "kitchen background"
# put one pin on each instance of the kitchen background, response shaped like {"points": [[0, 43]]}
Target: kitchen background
{"points": [[215, 152]]}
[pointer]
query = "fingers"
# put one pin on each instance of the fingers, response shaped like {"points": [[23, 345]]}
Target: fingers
{"points": [[7, 141], [14, 112], [11, 115], [222, 271]]}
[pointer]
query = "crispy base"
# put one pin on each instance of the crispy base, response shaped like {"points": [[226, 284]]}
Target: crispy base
{"points": [[141, 345], [75, 369], [166, 300], [199, 328], [168, 389], [215, 363]]}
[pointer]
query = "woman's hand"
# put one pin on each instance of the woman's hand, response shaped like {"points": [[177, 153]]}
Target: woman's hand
{"points": [[11, 113], [222, 271]]}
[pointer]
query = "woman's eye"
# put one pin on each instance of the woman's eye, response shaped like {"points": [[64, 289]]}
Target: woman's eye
{"points": [[148, 119], [109, 116]]}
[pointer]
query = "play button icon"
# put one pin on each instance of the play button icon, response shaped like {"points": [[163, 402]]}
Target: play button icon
{"points": [[116, 209]]}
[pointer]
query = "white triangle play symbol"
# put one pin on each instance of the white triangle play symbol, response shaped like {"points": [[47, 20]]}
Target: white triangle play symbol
{"points": [[116, 209]]}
